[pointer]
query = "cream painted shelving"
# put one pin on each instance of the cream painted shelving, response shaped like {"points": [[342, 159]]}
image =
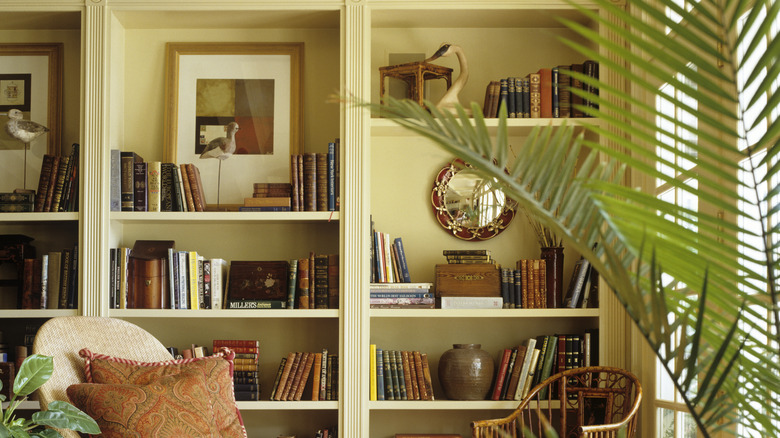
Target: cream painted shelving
{"points": [[114, 99]]}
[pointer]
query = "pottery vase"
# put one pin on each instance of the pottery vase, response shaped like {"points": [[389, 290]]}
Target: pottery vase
{"points": [[553, 257], [466, 372]]}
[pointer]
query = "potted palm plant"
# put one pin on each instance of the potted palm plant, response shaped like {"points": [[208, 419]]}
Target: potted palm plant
{"points": [[700, 283], [34, 372]]}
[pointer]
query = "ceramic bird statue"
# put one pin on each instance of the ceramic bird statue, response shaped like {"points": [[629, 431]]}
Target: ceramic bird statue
{"points": [[222, 148], [450, 98], [24, 130]]}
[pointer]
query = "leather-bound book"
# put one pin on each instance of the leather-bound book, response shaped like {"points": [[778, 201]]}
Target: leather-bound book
{"points": [[545, 88], [310, 181], [43, 182], [322, 181], [140, 180], [127, 192]]}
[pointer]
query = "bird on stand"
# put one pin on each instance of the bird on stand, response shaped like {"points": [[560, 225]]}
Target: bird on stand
{"points": [[25, 131], [222, 148], [450, 98]]}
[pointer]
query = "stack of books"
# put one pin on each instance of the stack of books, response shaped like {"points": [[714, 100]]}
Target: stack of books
{"points": [[546, 93], [522, 367], [298, 368], [246, 372], [402, 296], [269, 197], [464, 256], [17, 201], [399, 375]]}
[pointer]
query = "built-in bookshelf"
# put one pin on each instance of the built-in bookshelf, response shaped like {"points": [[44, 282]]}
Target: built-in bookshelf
{"points": [[113, 96]]}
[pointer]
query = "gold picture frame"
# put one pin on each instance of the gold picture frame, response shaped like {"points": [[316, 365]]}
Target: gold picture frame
{"points": [[257, 85], [35, 65]]}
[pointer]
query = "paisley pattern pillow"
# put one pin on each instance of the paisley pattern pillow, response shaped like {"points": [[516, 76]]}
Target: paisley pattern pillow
{"points": [[171, 406], [216, 371]]}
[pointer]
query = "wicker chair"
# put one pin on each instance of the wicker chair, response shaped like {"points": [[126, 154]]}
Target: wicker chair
{"points": [[597, 402], [63, 337]]}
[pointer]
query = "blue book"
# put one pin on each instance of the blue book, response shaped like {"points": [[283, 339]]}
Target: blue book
{"points": [[380, 375], [399, 248], [331, 160]]}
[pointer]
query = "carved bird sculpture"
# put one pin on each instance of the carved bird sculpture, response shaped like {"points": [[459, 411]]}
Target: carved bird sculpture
{"points": [[450, 98], [24, 130], [222, 148]]}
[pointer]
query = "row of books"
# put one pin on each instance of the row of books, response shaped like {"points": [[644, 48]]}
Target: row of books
{"points": [[401, 296], [314, 282], [137, 185], [182, 280], [388, 259], [526, 285], [543, 94], [298, 368], [522, 367], [399, 375], [314, 179], [58, 187], [51, 281]]}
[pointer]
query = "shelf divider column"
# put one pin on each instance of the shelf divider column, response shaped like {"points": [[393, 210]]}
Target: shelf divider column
{"points": [[93, 228], [355, 223]]}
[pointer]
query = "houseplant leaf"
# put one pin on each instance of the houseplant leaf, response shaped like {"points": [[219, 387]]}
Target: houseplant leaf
{"points": [[63, 415], [34, 372]]}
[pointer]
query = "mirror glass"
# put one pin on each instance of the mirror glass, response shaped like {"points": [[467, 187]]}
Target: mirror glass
{"points": [[469, 206]]}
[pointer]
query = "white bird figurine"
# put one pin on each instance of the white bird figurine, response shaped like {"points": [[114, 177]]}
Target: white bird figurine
{"points": [[24, 130], [222, 148], [450, 98]]}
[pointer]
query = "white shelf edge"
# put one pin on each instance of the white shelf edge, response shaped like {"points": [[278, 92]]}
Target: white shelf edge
{"points": [[388, 128], [40, 217], [225, 216], [231, 314], [301, 405], [32, 405], [37, 313], [445, 405], [484, 313]]}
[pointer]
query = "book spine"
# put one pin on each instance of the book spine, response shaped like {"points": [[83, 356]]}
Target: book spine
{"points": [[321, 281], [303, 283], [502, 367], [153, 186], [193, 175], [387, 364], [331, 176], [315, 376], [192, 274], [52, 183], [556, 111], [166, 187], [399, 246], [17, 208], [509, 370], [407, 393], [322, 181], [535, 94], [324, 374], [295, 183], [304, 376], [59, 186], [333, 281], [65, 275], [298, 369], [140, 181], [420, 377], [427, 376], [44, 281], [285, 366], [380, 374], [43, 182], [310, 181], [292, 283]]}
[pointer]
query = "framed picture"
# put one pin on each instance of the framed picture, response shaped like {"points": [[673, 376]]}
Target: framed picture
{"points": [[31, 81], [257, 86]]}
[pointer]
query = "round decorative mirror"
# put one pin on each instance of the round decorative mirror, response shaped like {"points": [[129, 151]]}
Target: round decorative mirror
{"points": [[469, 206]]}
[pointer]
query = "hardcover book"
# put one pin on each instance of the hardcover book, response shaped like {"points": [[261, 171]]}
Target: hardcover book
{"points": [[128, 160], [257, 280]]}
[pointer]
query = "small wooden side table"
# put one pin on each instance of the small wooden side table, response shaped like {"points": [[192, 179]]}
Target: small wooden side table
{"points": [[414, 74]]}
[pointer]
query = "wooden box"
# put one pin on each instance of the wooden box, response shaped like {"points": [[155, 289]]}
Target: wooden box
{"points": [[148, 284], [468, 280]]}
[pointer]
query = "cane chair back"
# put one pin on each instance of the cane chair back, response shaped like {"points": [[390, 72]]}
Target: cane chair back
{"points": [[588, 402]]}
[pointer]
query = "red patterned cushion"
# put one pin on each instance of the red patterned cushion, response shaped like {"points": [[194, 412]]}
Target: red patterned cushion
{"points": [[171, 406], [216, 371]]}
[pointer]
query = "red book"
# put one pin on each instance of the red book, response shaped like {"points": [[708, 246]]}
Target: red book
{"points": [[545, 80], [501, 373]]}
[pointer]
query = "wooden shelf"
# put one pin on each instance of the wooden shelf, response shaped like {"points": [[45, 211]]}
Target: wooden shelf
{"points": [[388, 128], [37, 313], [39, 217], [445, 405], [301, 405], [224, 216], [484, 313], [226, 314]]}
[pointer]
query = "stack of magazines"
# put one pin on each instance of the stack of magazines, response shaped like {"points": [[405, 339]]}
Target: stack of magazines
{"points": [[402, 296]]}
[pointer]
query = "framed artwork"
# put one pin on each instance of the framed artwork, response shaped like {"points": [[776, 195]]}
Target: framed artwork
{"points": [[256, 85], [31, 81]]}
